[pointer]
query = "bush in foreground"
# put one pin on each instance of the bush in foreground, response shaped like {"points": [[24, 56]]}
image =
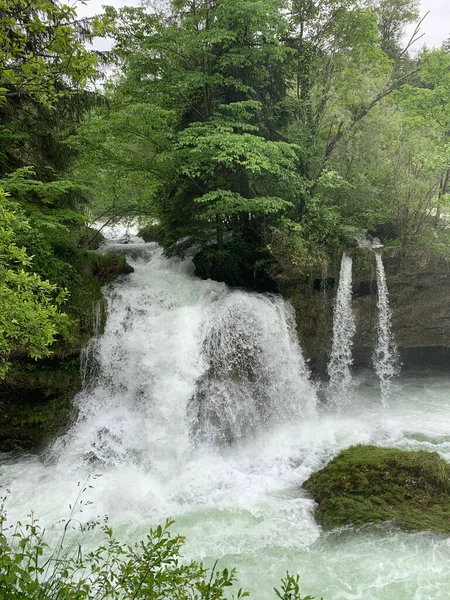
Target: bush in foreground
{"points": [[152, 569]]}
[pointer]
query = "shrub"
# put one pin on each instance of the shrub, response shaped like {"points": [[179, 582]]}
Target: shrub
{"points": [[151, 569]]}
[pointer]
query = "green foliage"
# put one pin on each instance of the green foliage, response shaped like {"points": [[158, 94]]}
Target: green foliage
{"points": [[42, 47], [251, 119], [369, 484], [152, 569], [44, 65], [281, 124], [393, 16], [30, 307], [151, 232], [290, 589], [122, 157], [195, 115], [240, 262]]}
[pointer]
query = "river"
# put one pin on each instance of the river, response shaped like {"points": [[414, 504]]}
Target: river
{"points": [[171, 425]]}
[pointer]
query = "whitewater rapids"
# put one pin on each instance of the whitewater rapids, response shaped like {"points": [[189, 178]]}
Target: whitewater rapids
{"points": [[158, 424]]}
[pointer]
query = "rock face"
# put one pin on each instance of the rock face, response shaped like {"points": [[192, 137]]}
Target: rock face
{"points": [[36, 402], [36, 396], [419, 296], [368, 484]]}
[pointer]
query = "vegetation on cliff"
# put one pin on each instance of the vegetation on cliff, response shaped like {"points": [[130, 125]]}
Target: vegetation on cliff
{"points": [[263, 134], [45, 286], [368, 484]]}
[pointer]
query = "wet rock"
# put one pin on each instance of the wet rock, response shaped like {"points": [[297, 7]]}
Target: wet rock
{"points": [[418, 281]]}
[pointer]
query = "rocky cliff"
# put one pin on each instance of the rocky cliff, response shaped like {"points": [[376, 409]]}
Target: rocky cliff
{"points": [[419, 293]]}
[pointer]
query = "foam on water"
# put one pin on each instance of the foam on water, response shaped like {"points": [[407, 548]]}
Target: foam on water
{"points": [[163, 352]]}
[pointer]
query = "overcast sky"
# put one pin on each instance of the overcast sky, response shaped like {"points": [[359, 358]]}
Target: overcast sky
{"points": [[436, 26]]}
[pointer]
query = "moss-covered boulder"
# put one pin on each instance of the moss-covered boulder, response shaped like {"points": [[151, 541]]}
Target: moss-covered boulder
{"points": [[368, 484], [152, 232]]}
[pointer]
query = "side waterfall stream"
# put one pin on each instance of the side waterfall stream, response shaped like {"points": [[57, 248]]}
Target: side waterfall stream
{"points": [[340, 385], [198, 406], [385, 358]]}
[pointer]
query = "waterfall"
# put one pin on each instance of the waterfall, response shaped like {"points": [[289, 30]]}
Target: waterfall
{"points": [[183, 363], [88, 362], [255, 370], [385, 358], [340, 384], [152, 440]]}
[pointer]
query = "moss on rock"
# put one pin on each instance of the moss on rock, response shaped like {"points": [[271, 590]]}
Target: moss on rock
{"points": [[36, 403], [241, 263], [152, 232], [36, 396], [368, 484]]}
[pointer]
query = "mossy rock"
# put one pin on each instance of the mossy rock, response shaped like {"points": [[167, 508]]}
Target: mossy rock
{"points": [[36, 403], [368, 484], [36, 396], [152, 232], [239, 264]]}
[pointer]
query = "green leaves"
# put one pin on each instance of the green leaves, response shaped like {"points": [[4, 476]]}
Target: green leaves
{"points": [[215, 145], [43, 54], [30, 316], [290, 589], [224, 202]]}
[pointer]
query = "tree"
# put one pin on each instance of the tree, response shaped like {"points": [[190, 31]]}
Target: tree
{"points": [[426, 109], [30, 315], [210, 81], [43, 67], [43, 55], [393, 16], [234, 119]]}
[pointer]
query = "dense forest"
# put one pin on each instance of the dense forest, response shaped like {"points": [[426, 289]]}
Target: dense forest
{"points": [[258, 136]]}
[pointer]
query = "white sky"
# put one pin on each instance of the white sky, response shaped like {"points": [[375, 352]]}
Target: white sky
{"points": [[436, 26]]}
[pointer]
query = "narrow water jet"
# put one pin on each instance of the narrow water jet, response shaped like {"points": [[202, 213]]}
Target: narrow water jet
{"points": [[340, 383], [385, 357], [88, 355]]}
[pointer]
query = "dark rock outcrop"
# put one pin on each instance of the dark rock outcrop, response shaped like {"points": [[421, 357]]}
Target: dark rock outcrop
{"points": [[36, 402], [36, 396], [419, 295]]}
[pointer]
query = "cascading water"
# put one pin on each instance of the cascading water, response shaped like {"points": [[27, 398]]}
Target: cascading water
{"points": [[184, 360], [340, 384], [385, 358], [156, 419], [255, 371], [88, 357]]}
